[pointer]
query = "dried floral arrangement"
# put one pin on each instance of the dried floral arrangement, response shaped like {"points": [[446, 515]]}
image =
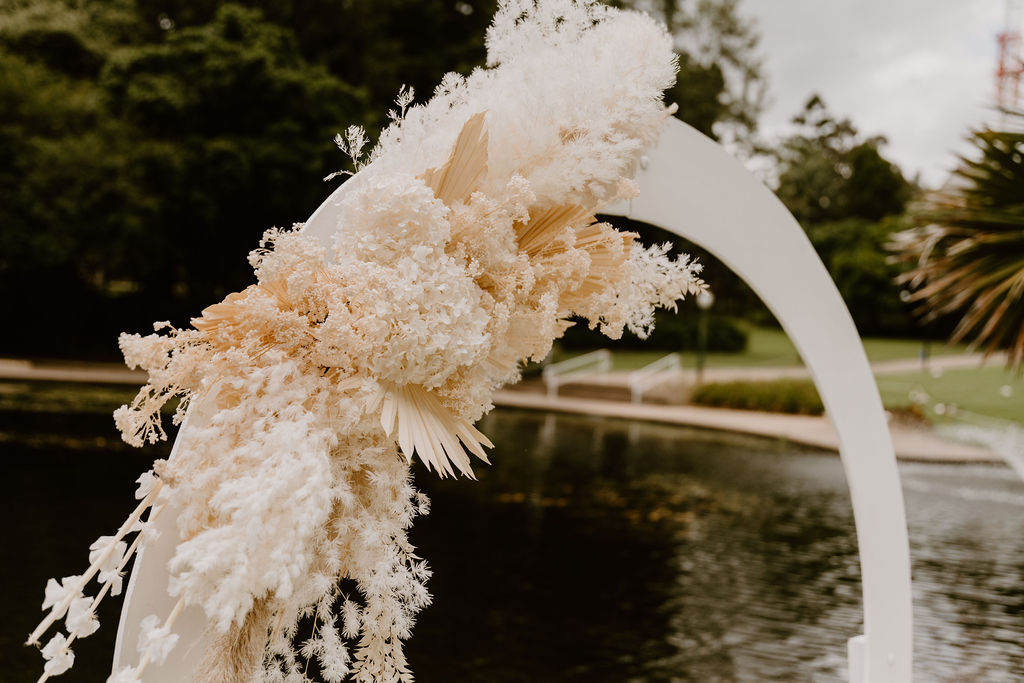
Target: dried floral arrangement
{"points": [[466, 244]]}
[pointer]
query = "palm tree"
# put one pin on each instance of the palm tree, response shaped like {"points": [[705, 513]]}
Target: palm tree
{"points": [[966, 253]]}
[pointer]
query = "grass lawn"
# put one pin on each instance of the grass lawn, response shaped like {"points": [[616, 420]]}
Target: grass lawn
{"points": [[63, 397], [960, 395], [771, 348], [977, 390]]}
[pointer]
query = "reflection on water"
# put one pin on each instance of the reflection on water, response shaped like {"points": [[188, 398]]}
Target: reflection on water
{"points": [[601, 550], [616, 551]]}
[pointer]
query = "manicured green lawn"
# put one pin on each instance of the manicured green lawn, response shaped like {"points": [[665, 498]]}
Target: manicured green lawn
{"points": [[966, 394], [977, 390], [900, 349], [63, 397], [771, 348]]}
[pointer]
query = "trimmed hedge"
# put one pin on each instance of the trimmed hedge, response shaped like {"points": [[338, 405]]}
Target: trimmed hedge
{"points": [[796, 396]]}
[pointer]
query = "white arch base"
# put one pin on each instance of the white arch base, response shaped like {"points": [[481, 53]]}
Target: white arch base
{"points": [[692, 187]]}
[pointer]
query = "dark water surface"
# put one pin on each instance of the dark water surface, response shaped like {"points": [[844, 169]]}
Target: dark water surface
{"points": [[593, 550]]}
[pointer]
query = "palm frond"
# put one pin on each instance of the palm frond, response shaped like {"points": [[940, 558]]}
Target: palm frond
{"points": [[966, 253]]}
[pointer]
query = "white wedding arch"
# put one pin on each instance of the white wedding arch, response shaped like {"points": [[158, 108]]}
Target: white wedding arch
{"points": [[690, 186]]}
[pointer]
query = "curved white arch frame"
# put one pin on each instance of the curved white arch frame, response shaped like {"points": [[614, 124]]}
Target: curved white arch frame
{"points": [[692, 187]]}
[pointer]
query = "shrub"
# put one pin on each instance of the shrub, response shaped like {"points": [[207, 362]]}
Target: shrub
{"points": [[794, 396]]}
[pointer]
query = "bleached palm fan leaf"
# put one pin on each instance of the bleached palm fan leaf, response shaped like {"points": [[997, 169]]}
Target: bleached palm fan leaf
{"points": [[427, 428], [546, 224], [455, 180]]}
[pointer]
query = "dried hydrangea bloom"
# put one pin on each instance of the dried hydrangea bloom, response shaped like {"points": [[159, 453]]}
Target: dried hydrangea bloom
{"points": [[465, 247]]}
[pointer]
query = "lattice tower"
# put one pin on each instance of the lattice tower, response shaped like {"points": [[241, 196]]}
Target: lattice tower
{"points": [[1010, 67]]}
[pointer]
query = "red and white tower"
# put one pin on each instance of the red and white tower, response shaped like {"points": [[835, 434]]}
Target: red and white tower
{"points": [[1010, 68]]}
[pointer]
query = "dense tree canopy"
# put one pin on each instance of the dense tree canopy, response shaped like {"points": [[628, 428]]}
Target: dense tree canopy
{"points": [[721, 88], [829, 172], [149, 143], [377, 45], [848, 197], [232, 134]]}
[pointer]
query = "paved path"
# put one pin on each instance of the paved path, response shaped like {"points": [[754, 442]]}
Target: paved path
{"points": [[912, 444], [620, 378], [70, 371], [909, 443], [116, 373]]}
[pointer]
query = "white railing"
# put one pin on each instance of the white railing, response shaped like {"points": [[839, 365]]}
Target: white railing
{"points": [[562, 372], [653, 374]]}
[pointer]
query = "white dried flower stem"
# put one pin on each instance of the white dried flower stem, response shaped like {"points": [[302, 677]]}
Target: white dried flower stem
{"points": [[58, 609], [168, 624], [106, 586], [138, 539], [45, 675]]}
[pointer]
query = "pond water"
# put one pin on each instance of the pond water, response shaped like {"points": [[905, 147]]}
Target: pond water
{"points": [[597, 550]]}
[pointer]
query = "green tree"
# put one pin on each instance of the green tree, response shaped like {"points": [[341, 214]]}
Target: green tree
{"points": [[827, 172], [967, 247], [232, 135], [697, 93], [62, 186], [721, 88], [853, 251], [152, 141], [378, 45], [147, 161], [848, 198]]}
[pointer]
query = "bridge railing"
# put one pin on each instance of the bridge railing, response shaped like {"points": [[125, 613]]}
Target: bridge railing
{"points": [[651, 375], [563, 372]]}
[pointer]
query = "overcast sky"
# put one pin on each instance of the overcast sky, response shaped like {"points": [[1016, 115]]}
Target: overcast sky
{"points": [[919, 72]]}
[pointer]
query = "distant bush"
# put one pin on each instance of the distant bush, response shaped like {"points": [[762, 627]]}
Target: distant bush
{"points": [[853, 251], [672, 332], [794, 396]]}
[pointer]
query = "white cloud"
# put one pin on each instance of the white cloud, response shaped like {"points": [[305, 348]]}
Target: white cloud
{"points": [[919, 72]]}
